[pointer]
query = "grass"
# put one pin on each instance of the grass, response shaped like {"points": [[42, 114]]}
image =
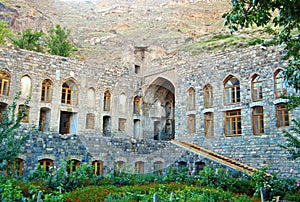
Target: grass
{"points": [[221, 41]]}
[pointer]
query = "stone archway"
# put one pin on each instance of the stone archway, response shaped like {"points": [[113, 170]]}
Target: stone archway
{"points": [[158, 110]]}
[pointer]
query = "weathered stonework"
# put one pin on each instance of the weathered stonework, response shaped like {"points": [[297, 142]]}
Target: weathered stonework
{"points": [[161, 81]]}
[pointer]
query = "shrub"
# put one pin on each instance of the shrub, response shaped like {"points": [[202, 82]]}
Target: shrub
{"points": [[4, 31], [58, 43], [29, 40]]}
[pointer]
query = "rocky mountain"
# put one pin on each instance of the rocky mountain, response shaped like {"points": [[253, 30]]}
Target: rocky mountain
{"points": [[100, 27]]}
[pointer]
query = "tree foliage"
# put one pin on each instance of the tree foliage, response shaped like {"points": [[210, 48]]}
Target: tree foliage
{"points": [[10, 140], [55, 41], [29, 40], [281, 19], [58, 42], [293, 142], [4, 31]]}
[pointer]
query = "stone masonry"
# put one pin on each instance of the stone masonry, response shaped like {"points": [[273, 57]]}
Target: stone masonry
{"points": [[160, 81]]}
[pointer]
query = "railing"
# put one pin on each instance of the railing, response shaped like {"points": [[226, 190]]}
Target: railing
{"points": [[216, 157]]}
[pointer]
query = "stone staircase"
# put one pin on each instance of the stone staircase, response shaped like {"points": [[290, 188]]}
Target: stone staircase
{"points": [[216, 157]]}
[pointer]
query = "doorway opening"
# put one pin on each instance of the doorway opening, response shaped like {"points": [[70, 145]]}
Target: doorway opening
{"points": [[106, 126], [44, 123], [68, 122]]}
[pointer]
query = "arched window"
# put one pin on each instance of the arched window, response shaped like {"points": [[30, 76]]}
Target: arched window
{"points": [[233, 125], [98, 167], [120, 166], [256, 88], [157, 167], [72, 165], [282, 115], [107, 101], [139, 167], [258, 120], [232, 90], [90, 121], [208, 124], [191, 98], [208, 96], [46, 94], [280, 84], [25, 86], [69, 93], [4, 83], [136, 105], [47, 164], [24, 110]]}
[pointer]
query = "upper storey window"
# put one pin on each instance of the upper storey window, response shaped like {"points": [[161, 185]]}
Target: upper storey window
{"points": [[208, 96], [69, 93], [256, 87], [107, 101], [25, 86], [46, 91], [136, 105], [232, 90], [280, 84], [282, 115], [4, 83], [191, 98]]}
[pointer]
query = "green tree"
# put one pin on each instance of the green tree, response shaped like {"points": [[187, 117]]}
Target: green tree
{"points": [[58, 42], [293, 142], [281, 19], [10, 140], [4, 31], [29, 40]]}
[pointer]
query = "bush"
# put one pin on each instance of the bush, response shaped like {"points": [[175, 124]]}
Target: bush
{"points": [[29, 40]]}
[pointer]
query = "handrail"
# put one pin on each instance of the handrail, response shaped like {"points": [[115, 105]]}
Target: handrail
{"points": [[216, 157]]}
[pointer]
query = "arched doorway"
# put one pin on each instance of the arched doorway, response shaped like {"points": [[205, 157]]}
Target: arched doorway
{"points": [[159, 105]]}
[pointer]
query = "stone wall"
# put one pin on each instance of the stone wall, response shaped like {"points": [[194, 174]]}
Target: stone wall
{"points": [[163, 81], [255, 150]]}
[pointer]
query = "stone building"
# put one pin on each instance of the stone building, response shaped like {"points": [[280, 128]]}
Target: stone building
{"points": [[124, 116]]}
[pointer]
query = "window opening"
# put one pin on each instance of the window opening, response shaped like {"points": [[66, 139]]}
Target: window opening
{"points": [[232, 90], [233, 125]]}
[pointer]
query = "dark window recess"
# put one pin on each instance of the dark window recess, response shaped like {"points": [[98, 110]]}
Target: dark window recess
{"points": [[137, 69]]}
